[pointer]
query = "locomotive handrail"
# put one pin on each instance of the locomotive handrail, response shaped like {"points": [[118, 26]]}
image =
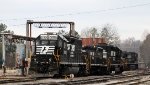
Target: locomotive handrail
{"points": [[124, 62], [57, 57], [108, 63], [88, 62]]}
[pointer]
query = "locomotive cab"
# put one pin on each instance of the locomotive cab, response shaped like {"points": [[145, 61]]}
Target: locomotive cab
{"points": [[95, 53], [111, 53], [112, 58], [45, 47]]}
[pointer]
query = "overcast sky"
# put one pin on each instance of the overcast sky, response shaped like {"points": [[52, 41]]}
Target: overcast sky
{"points": [[130, 21]]}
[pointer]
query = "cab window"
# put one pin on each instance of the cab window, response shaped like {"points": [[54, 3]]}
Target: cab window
{"points": [[44, 42]]}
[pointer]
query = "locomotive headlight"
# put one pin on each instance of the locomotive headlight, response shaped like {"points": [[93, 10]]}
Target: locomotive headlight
{"points": [[50, 60]]}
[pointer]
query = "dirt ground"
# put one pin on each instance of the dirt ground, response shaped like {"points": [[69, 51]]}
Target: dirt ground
{"points": [[9, 72]]}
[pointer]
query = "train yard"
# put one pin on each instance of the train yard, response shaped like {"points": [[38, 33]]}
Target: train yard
{"points": [[74, 42], [53, 58]]}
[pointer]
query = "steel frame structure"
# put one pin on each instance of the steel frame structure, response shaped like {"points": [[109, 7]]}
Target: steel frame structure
{"points": [[29, 33]]}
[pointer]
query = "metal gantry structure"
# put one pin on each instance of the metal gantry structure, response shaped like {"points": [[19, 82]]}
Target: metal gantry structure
{"points": [[44, 24]]}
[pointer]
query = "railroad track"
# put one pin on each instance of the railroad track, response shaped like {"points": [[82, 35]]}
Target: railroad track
{"points": [[87, 80], [139, 82], [131, 78], [124, 81], [134, 79], [15, 79]]}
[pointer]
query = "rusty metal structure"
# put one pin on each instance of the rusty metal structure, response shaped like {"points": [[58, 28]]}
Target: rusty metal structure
{"points": [[92, 41], [10, 38]]}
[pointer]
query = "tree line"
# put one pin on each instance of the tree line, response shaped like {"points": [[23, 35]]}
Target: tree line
{"points": [[108, 32]]}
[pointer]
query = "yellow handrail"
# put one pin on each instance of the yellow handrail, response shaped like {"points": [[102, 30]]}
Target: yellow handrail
{"points": [[88, 62], [57, 57], [108, 63]]}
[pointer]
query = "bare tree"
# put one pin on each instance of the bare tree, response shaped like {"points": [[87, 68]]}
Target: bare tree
{"points": [[109, 33], [90, 32], [144, 34], [145, 50], [63, 32], [130, 44], [93, 32]]}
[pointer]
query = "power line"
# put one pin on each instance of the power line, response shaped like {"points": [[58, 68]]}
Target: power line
{"points": [[79, 13], [16, 25]]}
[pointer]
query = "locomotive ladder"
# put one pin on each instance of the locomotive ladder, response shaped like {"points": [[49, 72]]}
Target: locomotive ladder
{"points": [[122, 63], [88, 63], [108, 63], [57, 57], [125, 64]]}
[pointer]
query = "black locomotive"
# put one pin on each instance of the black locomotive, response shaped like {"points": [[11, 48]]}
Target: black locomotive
{"points": [[130, 59], [57, 54], [64, 55]]}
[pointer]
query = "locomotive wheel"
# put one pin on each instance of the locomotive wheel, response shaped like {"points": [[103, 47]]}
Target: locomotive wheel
{"points": [[108, 71], [63, 70], [121, 70], [83, 71], [42, 70], [57, 76]]}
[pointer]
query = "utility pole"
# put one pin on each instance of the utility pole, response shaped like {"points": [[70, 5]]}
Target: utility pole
{"points": [[3, 49], [3, 54]]}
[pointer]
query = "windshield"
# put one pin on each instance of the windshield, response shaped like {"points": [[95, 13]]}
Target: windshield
{"points": [[44, 42], [53, 42], [47, 42]]}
